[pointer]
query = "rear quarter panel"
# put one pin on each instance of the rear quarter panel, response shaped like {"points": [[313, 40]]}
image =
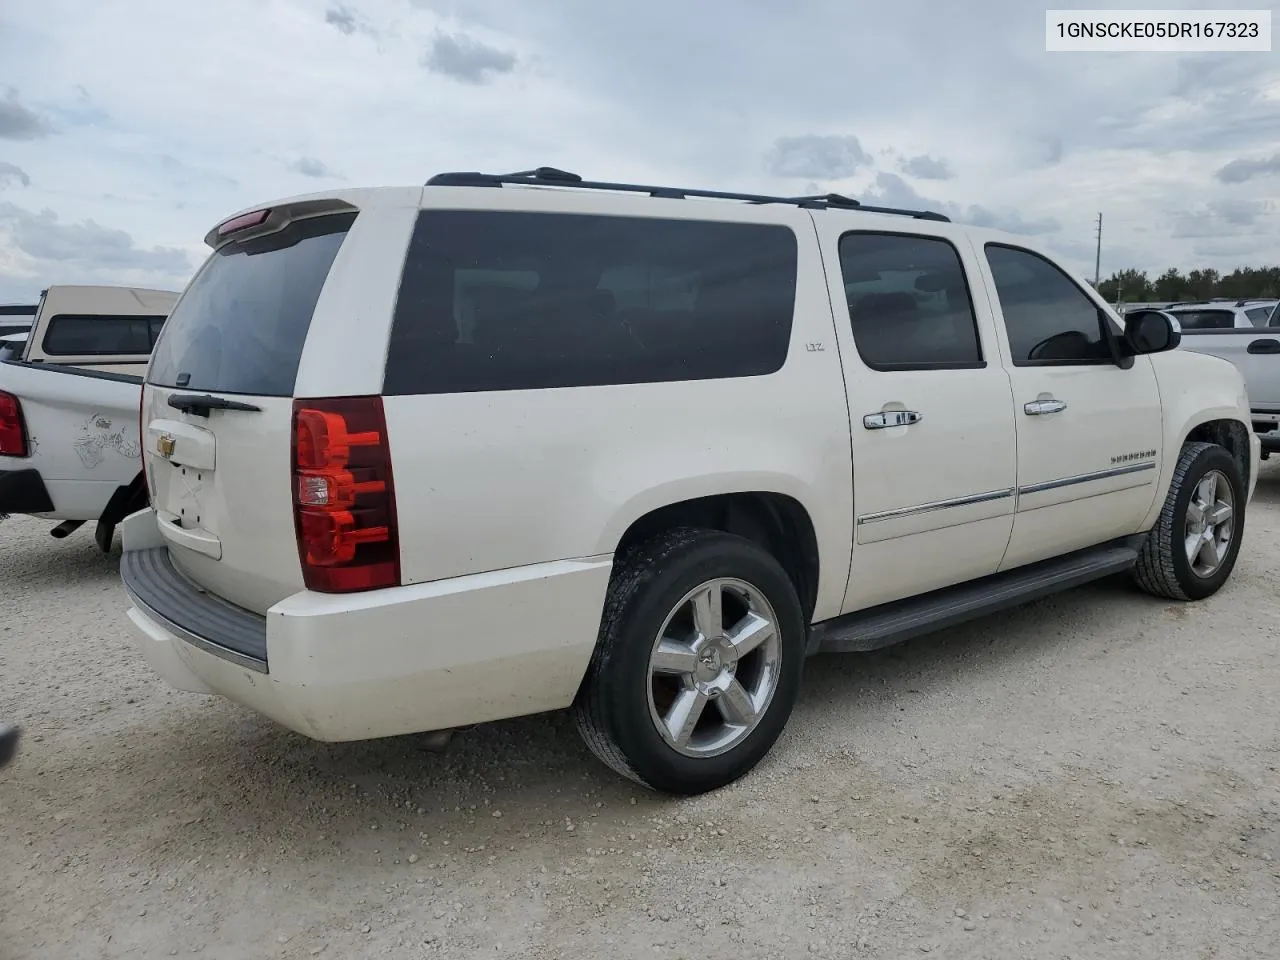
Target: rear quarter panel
{"points": [[488, 481]]}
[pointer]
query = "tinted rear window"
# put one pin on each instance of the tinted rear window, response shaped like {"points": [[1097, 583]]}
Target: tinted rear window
{"points": [[74, 335], [518, 301], [241, 324], [1192, 320]]}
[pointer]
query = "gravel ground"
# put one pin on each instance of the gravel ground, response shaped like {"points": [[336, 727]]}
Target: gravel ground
{"points": [[1093, 775]]}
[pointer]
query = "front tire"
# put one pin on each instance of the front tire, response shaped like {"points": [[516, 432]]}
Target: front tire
{"points": [[698, 663], [1192, 549]]}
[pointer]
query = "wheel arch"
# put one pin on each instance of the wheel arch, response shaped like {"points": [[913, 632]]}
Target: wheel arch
{"points": [[1221, 426], [778, 522]]}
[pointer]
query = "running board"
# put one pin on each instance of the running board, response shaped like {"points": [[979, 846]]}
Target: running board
{"points": [[891, 623]]}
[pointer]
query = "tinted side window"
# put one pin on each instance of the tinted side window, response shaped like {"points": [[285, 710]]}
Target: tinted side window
{"points": [[243, 320], [1193, 320], [495, 300], [1258, 315], [1049, 319], [68, 335], [909, 302]]}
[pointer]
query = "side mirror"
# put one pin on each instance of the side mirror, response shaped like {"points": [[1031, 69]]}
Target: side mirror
{"points": [[1150, 331]]}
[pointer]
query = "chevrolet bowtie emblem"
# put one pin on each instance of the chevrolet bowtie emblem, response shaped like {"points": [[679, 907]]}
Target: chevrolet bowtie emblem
{"points": [[165, 445]]}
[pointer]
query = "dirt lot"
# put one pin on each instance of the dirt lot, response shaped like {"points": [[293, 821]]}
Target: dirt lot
{"points": [[1091, 776]]}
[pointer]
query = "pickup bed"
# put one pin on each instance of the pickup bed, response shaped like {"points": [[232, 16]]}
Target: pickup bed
{"points": [[1256, 354], [69, 445]]}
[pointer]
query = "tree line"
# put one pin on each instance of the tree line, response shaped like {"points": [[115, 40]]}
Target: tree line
{"points": [[1130, 286]]}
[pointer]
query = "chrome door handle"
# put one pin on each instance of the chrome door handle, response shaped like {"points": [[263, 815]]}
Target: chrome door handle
{"points": [[1035, 408], [891, 418]]}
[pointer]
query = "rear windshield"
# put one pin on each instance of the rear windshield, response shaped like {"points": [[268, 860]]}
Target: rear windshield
{"points": [[517, 301], [241, 324], [1193, 320], [81, 335]]}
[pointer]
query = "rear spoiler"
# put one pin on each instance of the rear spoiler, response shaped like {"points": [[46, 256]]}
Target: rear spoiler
{"points": [[266, 220]]}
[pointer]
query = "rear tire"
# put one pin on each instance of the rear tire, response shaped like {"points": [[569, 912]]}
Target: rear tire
{"points": [[698, 663], [1192, 549]]}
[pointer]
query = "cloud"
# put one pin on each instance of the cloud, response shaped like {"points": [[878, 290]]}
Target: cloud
{"points": [[342, 19], [43, 237], [10, 172], [466, 59], [1052, 149], [817, 156], [1242, 170], [891, 190], [926, 167], [20, 123], [572, 84], [1239, 211], [1010, 221], [345, 20], [1223, 219], [310, 167]]}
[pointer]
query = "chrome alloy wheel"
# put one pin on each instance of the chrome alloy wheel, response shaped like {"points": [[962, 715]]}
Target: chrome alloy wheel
{"points": [[1210, 524], [719, 648]]}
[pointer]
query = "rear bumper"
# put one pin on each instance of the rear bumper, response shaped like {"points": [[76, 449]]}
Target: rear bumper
{"points": [[387, 662], [23, 491]]}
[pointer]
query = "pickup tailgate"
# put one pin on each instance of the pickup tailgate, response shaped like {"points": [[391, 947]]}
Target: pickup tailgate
{"points": [[82, 433], [218, 411], [1255, 354]]}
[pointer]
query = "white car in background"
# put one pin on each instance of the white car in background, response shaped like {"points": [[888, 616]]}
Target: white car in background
{"points": [[1222, 314]]}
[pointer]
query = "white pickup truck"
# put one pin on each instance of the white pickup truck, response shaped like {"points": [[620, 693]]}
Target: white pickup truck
{"points": [[1255, 352], [69, 406]]}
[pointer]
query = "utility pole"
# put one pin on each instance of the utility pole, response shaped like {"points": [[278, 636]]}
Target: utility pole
{"points": [[1097, 260]]}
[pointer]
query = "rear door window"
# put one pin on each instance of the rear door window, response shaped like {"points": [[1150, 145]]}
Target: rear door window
{"points": [[68, 335], [519, 301], [909, 302], [242, 323]]}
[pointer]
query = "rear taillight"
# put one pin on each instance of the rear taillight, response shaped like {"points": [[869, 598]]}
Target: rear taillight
{"points": [[343, 498], [13, 431]]}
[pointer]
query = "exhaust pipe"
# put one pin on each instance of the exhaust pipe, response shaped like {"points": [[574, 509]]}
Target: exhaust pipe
{"points": [[66, 528]]}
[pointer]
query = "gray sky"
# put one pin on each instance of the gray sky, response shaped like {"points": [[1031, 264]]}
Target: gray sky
{"points": [[128, 129]]}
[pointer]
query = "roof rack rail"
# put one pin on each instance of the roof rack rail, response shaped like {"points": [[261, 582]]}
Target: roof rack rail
{"points": [[552, 177]]}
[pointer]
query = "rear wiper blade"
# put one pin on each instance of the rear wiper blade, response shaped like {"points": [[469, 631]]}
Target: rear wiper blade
{"points": [[201, 405]]}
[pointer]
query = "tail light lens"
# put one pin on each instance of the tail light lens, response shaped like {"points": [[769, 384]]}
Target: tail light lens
{"points": [[13, 430], [343, 496]]}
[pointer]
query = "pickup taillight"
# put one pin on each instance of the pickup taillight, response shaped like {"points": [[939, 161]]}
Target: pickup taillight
{"points": [[343, 495], [13, 429]]}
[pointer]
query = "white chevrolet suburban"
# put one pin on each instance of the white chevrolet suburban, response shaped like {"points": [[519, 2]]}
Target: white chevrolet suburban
{"points": [[420, 458]]}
